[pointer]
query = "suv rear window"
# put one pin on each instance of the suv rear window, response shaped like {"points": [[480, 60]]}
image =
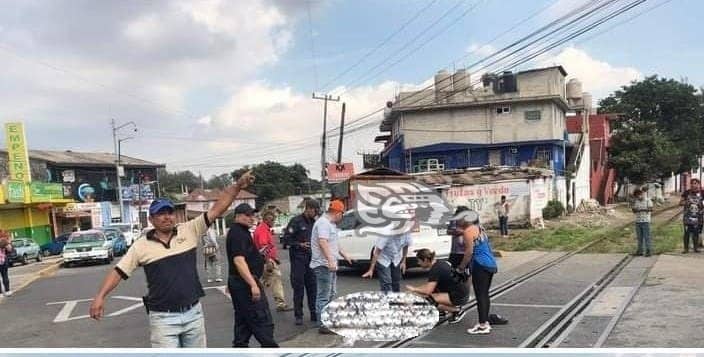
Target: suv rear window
{"points": [[86, 237]]}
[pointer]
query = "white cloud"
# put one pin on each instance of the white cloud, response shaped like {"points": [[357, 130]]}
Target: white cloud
{"points": [[480, 51], [598, 77]]}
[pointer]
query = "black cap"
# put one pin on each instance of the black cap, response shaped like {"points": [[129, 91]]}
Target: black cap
{"points": [[311, 203], [244, 208]]}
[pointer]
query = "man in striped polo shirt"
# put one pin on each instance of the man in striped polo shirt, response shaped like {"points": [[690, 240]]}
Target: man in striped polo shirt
{"points": [[168, 256]]}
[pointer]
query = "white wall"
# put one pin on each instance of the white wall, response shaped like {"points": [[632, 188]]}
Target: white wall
{"points": [[582, 177]]}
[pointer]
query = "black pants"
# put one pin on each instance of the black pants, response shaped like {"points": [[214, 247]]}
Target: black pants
{"points": [[503, 225], [693, 232], [5, 275], [455, 259], [481, 281], [302, 277], [251, 317]]}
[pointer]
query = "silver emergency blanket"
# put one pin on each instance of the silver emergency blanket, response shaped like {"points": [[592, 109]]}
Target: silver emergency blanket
{"points": [[376, 316]]}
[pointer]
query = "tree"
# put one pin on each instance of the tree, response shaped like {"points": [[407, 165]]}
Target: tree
{"points": [[171, 183], [668, 111], [274, 180], [219, 181], [640, 152]]}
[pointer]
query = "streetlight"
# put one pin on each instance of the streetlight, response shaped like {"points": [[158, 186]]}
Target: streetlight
{"points": [[116, 142], [119, 158]]}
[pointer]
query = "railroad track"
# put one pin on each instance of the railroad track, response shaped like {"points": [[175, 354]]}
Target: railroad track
{"points": [[552, 329]]}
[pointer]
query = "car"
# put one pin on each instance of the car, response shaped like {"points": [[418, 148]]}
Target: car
{"points": [[359, 247], [87, 246], [129, 230], [116, 239], [24, 250], [56, 246]]}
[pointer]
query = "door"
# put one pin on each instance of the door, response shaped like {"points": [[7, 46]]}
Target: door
{"points": [[495, 157]]}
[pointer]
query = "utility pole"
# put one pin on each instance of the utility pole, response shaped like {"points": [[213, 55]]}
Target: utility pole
{"points": [[323, 176], [116, 141], [342, 132]]}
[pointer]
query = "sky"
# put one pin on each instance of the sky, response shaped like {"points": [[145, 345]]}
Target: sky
{"points": [[214, 85]]}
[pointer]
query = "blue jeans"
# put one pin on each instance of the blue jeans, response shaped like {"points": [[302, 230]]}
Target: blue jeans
{"points": [[178, 329], [643, 235], [326, 282], [503, 225], [389, 277]]}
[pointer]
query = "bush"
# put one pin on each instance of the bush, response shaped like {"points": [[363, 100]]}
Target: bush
{"points": [[554, 209]]}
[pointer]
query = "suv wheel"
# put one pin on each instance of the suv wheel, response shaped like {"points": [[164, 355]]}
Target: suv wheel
{"points": [[39, 257], [24, 259]]}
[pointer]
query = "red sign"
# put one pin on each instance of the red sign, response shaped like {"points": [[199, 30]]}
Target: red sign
{"points": [[340, 172]]}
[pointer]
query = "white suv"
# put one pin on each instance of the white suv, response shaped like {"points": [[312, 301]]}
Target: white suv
{"points": [[360, 247]]}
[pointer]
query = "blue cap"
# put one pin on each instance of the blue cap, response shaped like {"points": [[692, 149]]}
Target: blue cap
{"points": [[160, 204]]}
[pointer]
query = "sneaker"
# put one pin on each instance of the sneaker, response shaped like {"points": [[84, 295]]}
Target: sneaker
{"points": [[210, 280], [218, 280], [284, 308], [8, 293], [479, 330], [299, 321], [325, 331], [456, 317]]}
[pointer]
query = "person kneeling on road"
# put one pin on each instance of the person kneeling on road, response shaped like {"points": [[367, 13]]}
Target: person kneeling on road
{"points": [[444, 287]]}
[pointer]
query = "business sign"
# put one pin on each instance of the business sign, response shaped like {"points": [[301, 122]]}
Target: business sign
{"points": [[18, 158], [44, 192], [69, 175], [339, 172], [15, 191]]}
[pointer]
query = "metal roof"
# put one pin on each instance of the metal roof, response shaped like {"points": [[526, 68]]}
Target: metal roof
{"points": [[75, 158]]}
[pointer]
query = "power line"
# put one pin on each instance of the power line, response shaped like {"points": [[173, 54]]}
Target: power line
{"points": [[380, 45]]}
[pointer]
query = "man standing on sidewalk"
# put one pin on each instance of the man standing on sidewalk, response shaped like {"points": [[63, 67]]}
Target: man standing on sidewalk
{"points": [[325, 253], [246, 266], [692, 215], [389, 261], [642, 207], [502, 208], [297, 237], [5, 251], [272, 274], [168, 256], [211, 251]]}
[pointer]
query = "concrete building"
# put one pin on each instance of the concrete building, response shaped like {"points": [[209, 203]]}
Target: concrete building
{"points": [[512, 119], [202, 200], [74, 190]]}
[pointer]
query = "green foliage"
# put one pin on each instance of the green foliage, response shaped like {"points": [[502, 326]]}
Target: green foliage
{"points": [[660, 129], [553, 209], [274, 180]]}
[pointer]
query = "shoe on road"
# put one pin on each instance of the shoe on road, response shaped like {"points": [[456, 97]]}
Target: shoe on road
{"points": [[299, 321], [281, 308], [8, 293], [210, 280], [479, 330], [218, 280], [456, 317]]}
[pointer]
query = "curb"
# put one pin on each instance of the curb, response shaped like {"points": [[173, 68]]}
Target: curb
{"points": [[50, 270]]}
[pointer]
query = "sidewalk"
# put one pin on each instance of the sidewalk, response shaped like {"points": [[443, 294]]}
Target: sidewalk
{"points": [[23, 275], [666, 311]]}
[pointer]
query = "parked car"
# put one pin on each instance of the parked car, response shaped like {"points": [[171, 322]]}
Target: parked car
{"points": [[360, 247], [129, 230], [116, 239], [87, 246], [24, 250], [56, 246]]}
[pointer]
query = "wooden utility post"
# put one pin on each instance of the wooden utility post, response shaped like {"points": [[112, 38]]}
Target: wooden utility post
{"points": [[323, 176]]}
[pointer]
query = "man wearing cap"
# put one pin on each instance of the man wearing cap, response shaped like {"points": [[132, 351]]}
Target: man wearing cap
{"points": [[246, 266], [297, 236], [325, 252], [168, 256]]}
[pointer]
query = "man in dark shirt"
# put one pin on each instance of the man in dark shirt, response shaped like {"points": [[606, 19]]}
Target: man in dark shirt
{"points": [[297, 235], [168, 256], [246, 266], [692, 200]]}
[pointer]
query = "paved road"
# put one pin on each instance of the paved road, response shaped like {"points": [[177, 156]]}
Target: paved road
{"points": [[53, 312]]}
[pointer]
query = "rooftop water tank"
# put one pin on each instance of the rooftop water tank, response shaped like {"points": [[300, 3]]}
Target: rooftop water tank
{"points": [[443, 83], [461, 80]]}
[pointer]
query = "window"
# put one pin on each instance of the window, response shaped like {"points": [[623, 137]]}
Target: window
{"points": [[428, 165], [532, 115], [543, 154], [505, 109]]}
